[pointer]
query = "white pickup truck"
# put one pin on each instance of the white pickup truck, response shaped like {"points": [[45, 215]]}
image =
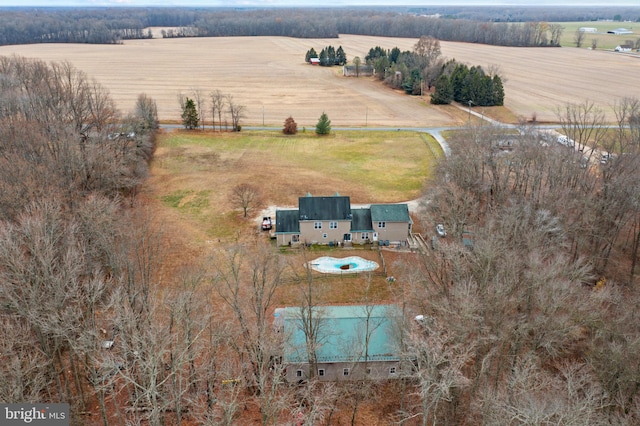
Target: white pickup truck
{"points": [[566, 141]]}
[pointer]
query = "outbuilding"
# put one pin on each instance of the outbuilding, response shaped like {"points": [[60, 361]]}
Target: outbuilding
{"points": [[623, 48], [620, 31], [351, 342]]}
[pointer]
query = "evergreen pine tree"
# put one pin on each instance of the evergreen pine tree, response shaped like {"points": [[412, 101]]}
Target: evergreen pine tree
{"points": [[444, 91], [394, 55], [341, 57], [458, 80], [477, 87], [331, 56], [323, 58], [189, 115], [311, 53], [497, 91], [324, 125]]}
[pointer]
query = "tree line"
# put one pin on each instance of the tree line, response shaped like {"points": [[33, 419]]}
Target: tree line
{"points": [[514, 26], [110, 25], [414, 71], [222, 108], [96, 26], [70, 168], [328, 56], [417, 71], [468, 86], [531, 319]]}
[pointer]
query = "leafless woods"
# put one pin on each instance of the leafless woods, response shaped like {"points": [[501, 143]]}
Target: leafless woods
{"points": [[528, 306]]}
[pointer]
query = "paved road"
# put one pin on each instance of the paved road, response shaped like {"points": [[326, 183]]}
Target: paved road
{"points": [[436, 132]]}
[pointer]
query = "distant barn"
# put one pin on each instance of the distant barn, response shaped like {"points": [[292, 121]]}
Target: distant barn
{"points": [[362, 70], [619, 31]]}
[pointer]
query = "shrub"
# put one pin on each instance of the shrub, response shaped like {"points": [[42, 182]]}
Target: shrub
{"points": [[290, 126]]}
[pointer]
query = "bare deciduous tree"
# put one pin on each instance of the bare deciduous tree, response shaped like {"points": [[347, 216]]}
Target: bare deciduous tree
{"points": [[199, 100], [578, 37], [246, 196], [236, 111], [217, 107], [584, 123], [147, 112], [247, 279]]}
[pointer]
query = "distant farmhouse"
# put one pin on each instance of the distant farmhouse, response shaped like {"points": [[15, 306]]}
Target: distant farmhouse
{"points": [[332, 221], [623, 48], [620, 31], [351, 342]]}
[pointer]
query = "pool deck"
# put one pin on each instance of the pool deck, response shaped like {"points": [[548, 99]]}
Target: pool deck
{"points": [[335, 265]]}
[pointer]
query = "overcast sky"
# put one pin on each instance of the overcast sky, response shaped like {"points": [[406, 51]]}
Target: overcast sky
{"points": [[302, 3]]}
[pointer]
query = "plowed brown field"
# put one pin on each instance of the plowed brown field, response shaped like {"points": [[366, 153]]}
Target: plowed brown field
{"points": [[269, 76]]}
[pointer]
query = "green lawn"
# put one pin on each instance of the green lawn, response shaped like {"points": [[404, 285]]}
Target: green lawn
{"points": [[198, 170], [380, 161], [604, 40]]}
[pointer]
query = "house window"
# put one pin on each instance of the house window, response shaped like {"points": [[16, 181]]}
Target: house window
{"points": [[333, 225], [382, 224], [392, 370], [324, 235], [295, 238], [368, 371], [321, 372], [298, 373], [365, 235], [317, 225], [346, 237], [345, 371]]}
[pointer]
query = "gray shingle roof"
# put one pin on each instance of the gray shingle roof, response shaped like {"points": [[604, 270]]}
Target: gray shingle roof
{"points": [[287, 222], [324, 208], [390, 213], [361, 221], [339, 208]]}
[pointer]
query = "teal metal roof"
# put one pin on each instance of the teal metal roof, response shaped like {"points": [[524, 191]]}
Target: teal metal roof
{"points": [[342, 333], [390, 213]]}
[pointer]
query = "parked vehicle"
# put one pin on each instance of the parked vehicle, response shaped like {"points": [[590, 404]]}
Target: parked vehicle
{"points": [[440, 230], [266, 223], [566, 141]]}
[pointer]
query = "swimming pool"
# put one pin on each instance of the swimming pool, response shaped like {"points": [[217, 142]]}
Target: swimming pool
{"points": [[351, 264]]}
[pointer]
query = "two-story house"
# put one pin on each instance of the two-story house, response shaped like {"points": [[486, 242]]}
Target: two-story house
{"points": [[332, 220]]}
